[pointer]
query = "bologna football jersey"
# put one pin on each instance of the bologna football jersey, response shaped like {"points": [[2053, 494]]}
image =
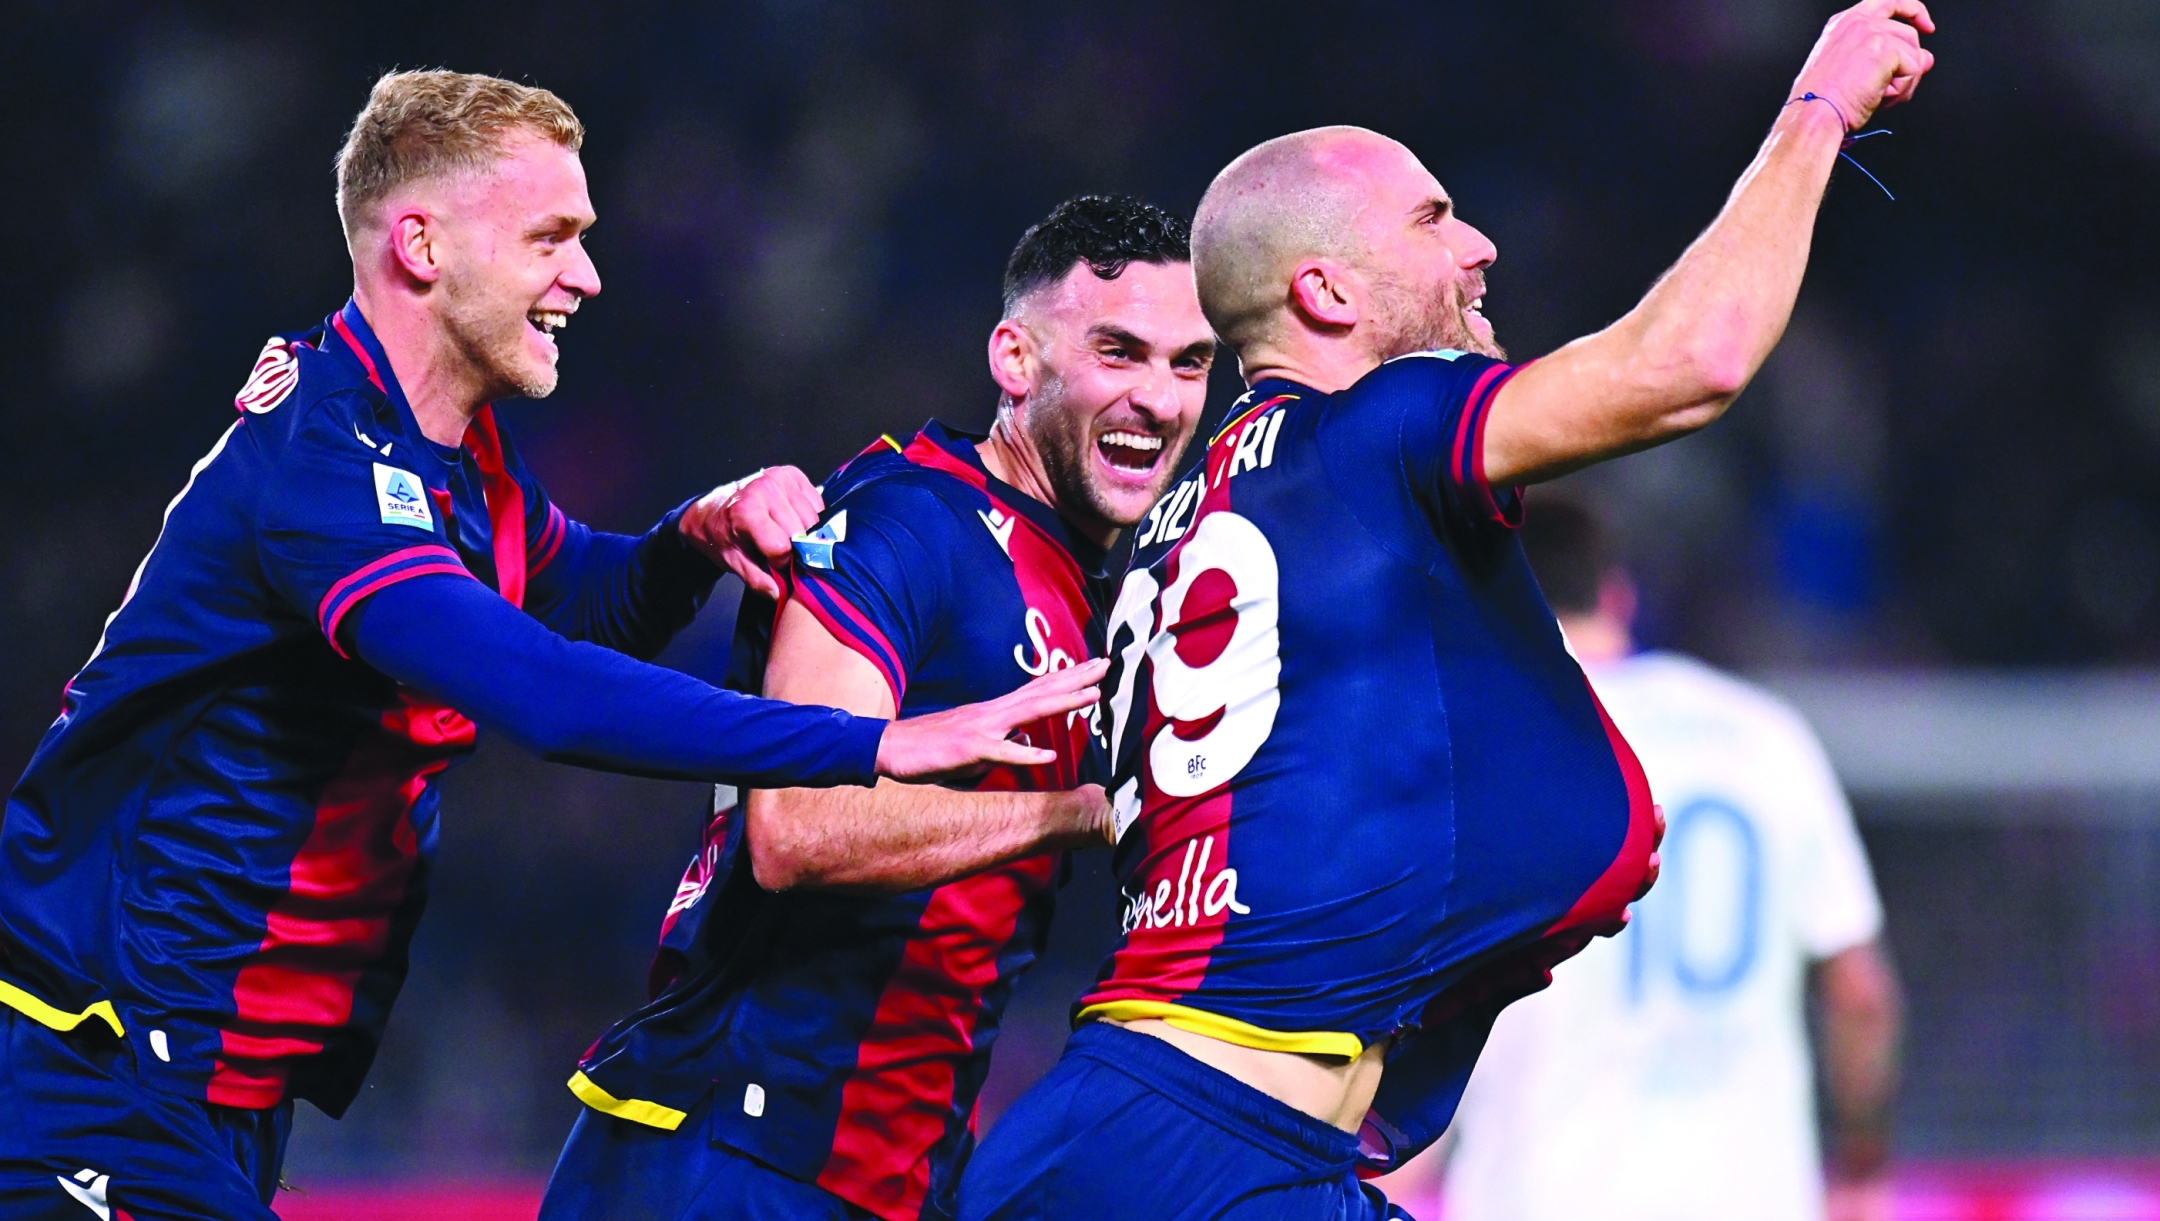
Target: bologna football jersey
{"points": [[1363, 791], [222, 846], [844, 1037]]}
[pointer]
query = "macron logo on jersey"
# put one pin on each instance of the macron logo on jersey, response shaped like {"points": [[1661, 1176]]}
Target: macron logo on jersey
{"points": [[400, 497], [88, 1188], [1001, 528]]}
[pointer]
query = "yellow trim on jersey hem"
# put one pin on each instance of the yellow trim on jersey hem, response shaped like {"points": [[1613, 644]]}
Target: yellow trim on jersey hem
{"points": [[57, 1019], [1230, 1030], [636, 1110]]}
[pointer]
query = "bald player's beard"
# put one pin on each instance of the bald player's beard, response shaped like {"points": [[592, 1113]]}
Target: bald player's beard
{"points": [[1410, 321], [492, 339]]}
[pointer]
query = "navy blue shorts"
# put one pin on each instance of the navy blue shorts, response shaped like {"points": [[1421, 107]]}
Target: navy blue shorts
{"points": [[81, 1138], [1128, 1127], [615, 1170]]}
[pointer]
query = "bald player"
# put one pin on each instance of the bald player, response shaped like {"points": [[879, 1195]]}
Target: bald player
{"points": [[1364, 797]]}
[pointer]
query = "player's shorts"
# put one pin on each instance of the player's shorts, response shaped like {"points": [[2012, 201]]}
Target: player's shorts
{"points": [[81, 1139], [1128, 1128], [616, 1170]]}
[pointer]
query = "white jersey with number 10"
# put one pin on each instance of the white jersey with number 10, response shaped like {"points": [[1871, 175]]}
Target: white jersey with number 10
{"points": [[1665, 1075]]}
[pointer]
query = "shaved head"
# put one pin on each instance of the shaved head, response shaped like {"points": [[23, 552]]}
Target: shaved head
{"points": [[1343, 194], [1284, 201]]}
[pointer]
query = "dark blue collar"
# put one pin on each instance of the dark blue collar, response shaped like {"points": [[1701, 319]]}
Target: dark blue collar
{"points": [[1273, 387], [347, 334]]}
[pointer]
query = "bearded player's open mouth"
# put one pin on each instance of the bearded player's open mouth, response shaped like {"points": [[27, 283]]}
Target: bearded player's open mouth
{"points": [[1130, 456]]}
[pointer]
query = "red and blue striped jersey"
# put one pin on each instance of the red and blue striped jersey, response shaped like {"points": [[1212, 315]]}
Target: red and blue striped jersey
{"points": [[1359, 781], [844, 1038], [221, 847]]}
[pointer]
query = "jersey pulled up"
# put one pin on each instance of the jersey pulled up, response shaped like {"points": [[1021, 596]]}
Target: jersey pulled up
{"points": [[221, 848], [1363, 791], [845, 1037], [1665, 1075]]}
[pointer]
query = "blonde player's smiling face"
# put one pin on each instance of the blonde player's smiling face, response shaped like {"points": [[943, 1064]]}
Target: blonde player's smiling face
{"points": [[1110, 377], [514, 265]]}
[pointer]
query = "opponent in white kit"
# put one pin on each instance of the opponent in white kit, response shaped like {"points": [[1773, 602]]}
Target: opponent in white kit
{"points": [[1665, 1075]]}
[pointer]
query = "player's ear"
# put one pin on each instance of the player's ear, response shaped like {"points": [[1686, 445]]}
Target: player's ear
{"points": [[1320, 293], [1013, 361], [413, 234]]}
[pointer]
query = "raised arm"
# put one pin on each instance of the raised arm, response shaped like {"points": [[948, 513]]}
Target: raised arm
{"points": [[1678, 359], [896, 837]]}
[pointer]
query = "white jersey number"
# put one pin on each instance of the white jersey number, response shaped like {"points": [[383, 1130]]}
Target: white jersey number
{"points": [[1216, 660]]}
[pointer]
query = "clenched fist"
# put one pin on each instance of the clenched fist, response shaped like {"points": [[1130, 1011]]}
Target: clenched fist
{"points": [[745, 526], [1869, 56]]}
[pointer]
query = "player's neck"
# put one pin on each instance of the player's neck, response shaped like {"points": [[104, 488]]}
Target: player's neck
{"points": [[1009, 456], [1326, 363], [438, 379]]}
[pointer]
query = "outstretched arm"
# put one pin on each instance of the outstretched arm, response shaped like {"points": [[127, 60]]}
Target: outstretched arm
{"points": [[896, 837], [1677, 360], [459, 642]]}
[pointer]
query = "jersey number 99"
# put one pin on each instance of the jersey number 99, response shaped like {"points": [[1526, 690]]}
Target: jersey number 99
{"points": [[1216, 657]]}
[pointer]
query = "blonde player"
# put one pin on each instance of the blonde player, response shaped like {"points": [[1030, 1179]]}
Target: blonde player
{"points": [[1665, 1075]]}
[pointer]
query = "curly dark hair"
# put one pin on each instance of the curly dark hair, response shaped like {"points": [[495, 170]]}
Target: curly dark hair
{"points": [[1104, 231]]}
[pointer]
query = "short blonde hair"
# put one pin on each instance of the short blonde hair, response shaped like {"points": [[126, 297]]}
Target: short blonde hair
{"points": [[419, 125]]}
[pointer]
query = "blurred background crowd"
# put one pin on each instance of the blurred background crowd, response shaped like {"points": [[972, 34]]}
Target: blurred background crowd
{"points": [[805, 206]]}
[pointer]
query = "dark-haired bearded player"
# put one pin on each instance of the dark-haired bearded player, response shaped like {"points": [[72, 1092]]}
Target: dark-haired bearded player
{"points": [[835, 971], [1365, 797]]}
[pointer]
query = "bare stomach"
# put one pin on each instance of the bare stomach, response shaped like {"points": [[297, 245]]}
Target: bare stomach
{"points": [[1332, 1089]]}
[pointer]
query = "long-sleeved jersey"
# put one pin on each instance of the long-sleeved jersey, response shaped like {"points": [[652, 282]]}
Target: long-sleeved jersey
{"points": [[221, 847]]}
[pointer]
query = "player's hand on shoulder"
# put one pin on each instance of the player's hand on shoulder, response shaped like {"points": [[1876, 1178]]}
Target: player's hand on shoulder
{"points": [[746, 526], [967, 740], [1869, 56]]}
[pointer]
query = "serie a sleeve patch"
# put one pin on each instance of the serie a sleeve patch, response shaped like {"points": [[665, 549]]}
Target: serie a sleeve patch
{"points": [[814, 549], [402, 499]]}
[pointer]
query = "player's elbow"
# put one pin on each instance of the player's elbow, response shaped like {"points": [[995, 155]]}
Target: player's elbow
{"points": [[1692, 376], [1683, 397], [1720, 373]]}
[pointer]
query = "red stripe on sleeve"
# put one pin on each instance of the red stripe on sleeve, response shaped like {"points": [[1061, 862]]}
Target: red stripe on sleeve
{"points": [[369, 569], [551, 539], [1481, 402], [338, 613], [852, 628]]}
